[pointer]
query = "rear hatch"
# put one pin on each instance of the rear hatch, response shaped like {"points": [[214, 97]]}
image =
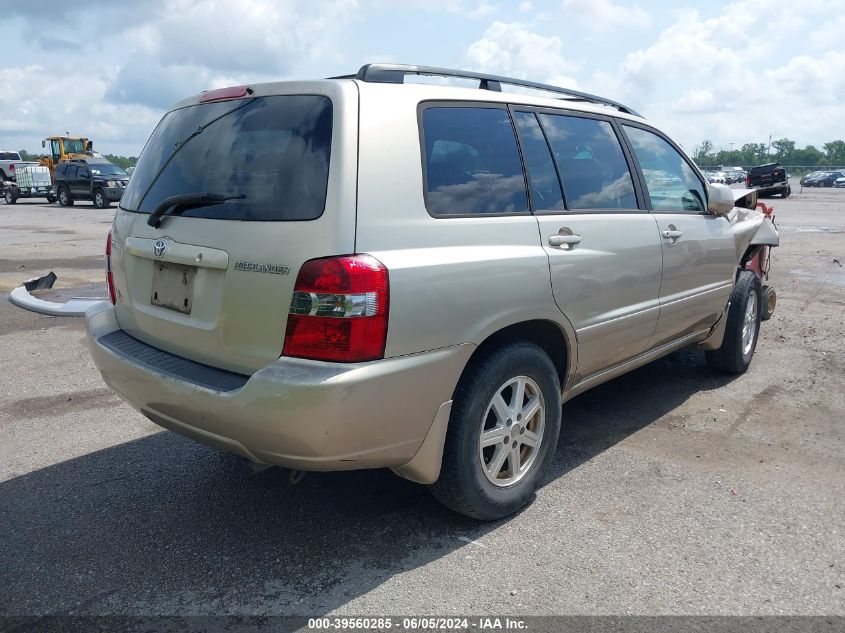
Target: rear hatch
{"points": [[213, 282], [766, 175]]}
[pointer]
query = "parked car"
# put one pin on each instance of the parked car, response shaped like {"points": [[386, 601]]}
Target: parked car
{"points": [[349, 273], [94, 179], [825, 179], [808, 177], [769, 180], [839, 182]]}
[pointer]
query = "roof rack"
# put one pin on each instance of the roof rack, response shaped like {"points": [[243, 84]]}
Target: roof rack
{"points": [[395, 74]]}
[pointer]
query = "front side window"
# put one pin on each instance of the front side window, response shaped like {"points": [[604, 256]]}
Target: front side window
{"points": [[591, 163], [671, 182], [472, 163]]}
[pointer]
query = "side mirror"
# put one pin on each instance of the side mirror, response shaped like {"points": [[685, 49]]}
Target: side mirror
{"points": [[43, 143], [89, 146], [720, 199]]}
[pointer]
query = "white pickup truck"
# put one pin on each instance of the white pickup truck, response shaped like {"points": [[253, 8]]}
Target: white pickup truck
{"points": [[9, 162]]}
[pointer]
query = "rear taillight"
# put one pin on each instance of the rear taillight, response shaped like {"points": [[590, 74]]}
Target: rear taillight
{"points": [[109, 277], [748, 181], [339, 310], [11, 167]]}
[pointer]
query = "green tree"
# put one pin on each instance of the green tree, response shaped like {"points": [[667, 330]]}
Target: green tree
{"points": [[703, 154], [835, 152], [809, 156], [122, 161], [784, 148]]}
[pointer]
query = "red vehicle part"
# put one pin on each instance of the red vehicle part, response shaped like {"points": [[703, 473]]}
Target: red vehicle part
{"points": [[759, 264]]}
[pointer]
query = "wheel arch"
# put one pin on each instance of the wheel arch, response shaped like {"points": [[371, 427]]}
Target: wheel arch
{"points": [[550, 336], [546, 334]]}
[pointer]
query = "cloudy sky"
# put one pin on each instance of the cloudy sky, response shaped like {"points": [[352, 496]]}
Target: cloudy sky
{"points": [[733, 72]]}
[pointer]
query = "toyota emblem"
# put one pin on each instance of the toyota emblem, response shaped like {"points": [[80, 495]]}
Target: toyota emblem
{"points": [[159, 247]]}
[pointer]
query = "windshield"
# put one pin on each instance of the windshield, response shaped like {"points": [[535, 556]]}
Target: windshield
{"points": [[74, 146], [273, 150], [106, 169]]}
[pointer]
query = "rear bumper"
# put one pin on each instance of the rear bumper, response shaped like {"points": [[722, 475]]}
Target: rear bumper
{"points": [[296, 413]]}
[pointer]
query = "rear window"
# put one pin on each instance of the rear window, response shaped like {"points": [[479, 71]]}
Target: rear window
{"points": [[472, 163], [273, 150], [9, 156]]}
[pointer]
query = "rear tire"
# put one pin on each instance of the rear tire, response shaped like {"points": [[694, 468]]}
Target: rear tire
{"points": [[786, 192], [742, 328], [64, 197], [524, 428], [10, 197]]}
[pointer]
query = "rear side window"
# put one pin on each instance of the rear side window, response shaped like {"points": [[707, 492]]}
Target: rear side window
{"points": [[70, 171], [592, 165], [542, 176], [671, 182], [272, 150], [9, 156], [472, 163]]}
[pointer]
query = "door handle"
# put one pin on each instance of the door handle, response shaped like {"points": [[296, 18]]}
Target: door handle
{"points": [[672, 233], [564, 240]]}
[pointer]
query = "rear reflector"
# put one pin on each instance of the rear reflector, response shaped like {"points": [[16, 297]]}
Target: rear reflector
{"points": [[109, 276], [234, 92], [339, 310]]}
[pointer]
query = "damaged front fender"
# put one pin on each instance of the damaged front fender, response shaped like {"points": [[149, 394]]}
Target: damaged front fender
{"points": [[749, 226]]}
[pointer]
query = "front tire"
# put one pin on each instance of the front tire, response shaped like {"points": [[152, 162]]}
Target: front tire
{"points": [[503, 431], [64, 197], [742, 328], [100, 200]]}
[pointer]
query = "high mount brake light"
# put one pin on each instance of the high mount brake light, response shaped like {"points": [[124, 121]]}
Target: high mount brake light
{"points": [[109, 276], [234, 92], [339, 310]]}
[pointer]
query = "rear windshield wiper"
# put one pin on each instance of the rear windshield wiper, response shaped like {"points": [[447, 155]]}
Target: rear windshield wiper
{"points": [[182, 202]]}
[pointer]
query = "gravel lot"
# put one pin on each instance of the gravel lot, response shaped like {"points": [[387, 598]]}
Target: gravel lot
{"points": [[674, 490]]}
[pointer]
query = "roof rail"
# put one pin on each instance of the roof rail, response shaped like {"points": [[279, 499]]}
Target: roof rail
{"points": [[395, 74]]}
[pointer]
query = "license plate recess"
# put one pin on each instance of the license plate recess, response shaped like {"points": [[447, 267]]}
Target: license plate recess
{"points": [[173, 286]]}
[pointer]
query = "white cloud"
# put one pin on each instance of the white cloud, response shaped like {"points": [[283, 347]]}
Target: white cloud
{"points": [[604, 15], [39, 102], [721, 78], [512, 49]]}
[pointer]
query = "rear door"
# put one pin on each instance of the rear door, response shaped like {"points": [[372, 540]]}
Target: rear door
{"points": [[81, 183], [604, 252], [699, 252], [214, 283]]}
